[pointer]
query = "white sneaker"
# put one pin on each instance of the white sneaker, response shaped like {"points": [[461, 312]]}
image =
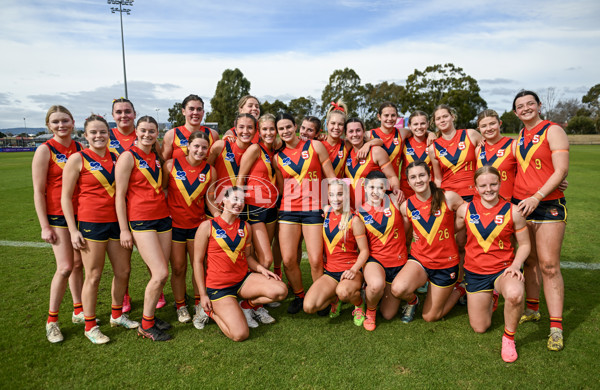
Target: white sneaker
{"points": [[263, 316], [96, 336], [183, 315], [124, 321], [200, 318], [80, 318], [53, 333], [249, 317]]}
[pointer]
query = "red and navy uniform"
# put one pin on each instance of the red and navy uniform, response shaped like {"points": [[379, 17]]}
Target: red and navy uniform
{"points": [[58, 158], [145, 197], [301, 171], [488, 249], [338, 153], [356, 170], [534, 159], [262, 191], [413, 151], [434, 246], [97, 187], [501, 157], [340, 246], [227, 165], [457, 161], [186, 193], [392, 144], [120, 142], [226, 262], [385, 232], [180, 140]]}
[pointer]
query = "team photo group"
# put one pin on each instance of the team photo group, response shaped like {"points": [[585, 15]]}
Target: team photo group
{"points": [[458, 216]]}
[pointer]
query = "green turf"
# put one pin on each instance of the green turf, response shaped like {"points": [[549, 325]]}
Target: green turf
{"points": [[299, 351]]}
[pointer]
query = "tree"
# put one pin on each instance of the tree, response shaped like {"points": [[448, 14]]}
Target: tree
{"points": [[510, 122], [445, 84], [2, 135], [549, 102], [581, 125], [345, 85], [302, 107], [592, 99], [274, 108], [232, 86], [565, 110], [374, 95], [176, 117]]}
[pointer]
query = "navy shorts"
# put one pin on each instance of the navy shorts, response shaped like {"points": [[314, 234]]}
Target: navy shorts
{"points": [[58, 221], [548, 211], [256, 214], [155, 225], [477, 282], [301, 217], [214, 294], [467, 198], [390, 272], [445, 277], [333, 275], [183, 235], [100, 232]]}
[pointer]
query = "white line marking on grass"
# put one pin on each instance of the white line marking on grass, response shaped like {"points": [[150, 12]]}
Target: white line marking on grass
{"points": [[32, 244]]}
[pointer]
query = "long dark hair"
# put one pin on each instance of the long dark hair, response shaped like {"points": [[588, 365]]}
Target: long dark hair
{"points": [[437, 194]]}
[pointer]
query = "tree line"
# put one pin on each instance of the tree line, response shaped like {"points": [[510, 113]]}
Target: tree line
{"points": [[424, 90]]}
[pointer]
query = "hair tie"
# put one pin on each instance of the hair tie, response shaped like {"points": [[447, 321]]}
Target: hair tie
{"points": [[337, 107]]}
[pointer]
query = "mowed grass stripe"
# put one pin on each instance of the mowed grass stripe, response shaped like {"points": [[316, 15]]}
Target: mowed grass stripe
{"points": [[29, 244]]}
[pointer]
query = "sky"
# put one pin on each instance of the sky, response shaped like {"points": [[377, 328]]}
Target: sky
{"points": [[69, 52]]}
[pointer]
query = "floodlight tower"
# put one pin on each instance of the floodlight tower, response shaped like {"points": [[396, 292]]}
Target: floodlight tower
{"points": [[120, 10]]}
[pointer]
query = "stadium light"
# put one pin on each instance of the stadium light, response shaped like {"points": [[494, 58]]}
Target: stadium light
{"points": [[120, 10]]}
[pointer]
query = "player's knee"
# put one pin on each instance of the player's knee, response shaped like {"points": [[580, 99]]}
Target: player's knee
{"points": [[64, 270], [550, 270], [514, 296], [240, 334], [374, 288], [279, 291], [309, 306], [431, 317], [480, 326]]}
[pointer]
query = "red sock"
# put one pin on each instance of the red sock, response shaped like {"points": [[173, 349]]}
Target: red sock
{"points": [[533, 304], [147, 322], [196, 300], [277, 270], [90, 322], [556, 322], [508, 334], [77, 308], [460, 289], [371, 312], [246, 304], [180, 304], [209, 314], [116, 311], [299, 293], [360, 301], [414, 301], [52, 316], [257, 307]]}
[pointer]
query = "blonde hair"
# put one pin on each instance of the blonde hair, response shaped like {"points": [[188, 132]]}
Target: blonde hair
{"points": [[244, 99], [268, 117], [338, 108], [346, 212], [57, 108]]}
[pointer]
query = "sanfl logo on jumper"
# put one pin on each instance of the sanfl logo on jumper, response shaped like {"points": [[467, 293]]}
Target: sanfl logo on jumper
{"points": [[221, 233], [144, 165], [95, 166], [286, 161], [229, 157], [416, 215], [410, 151], [180, 175], [474, 219], [61, 158], [326, 223]]}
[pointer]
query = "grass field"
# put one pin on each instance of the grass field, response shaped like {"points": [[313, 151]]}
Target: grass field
{"points": [[299, 351]]}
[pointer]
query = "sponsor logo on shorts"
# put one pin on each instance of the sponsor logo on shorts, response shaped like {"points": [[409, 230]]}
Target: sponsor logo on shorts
{"points": [[554, 212]]}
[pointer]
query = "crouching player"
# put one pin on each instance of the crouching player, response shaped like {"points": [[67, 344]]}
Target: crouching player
{"points": [[226, 243], [347, 251], [490, 262]]}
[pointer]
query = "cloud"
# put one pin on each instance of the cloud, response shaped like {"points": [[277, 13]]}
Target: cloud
{"points": [[497, 80]]}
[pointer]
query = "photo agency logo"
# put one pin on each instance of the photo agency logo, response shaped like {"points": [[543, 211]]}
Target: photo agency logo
{"points": [[261, 193]]}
